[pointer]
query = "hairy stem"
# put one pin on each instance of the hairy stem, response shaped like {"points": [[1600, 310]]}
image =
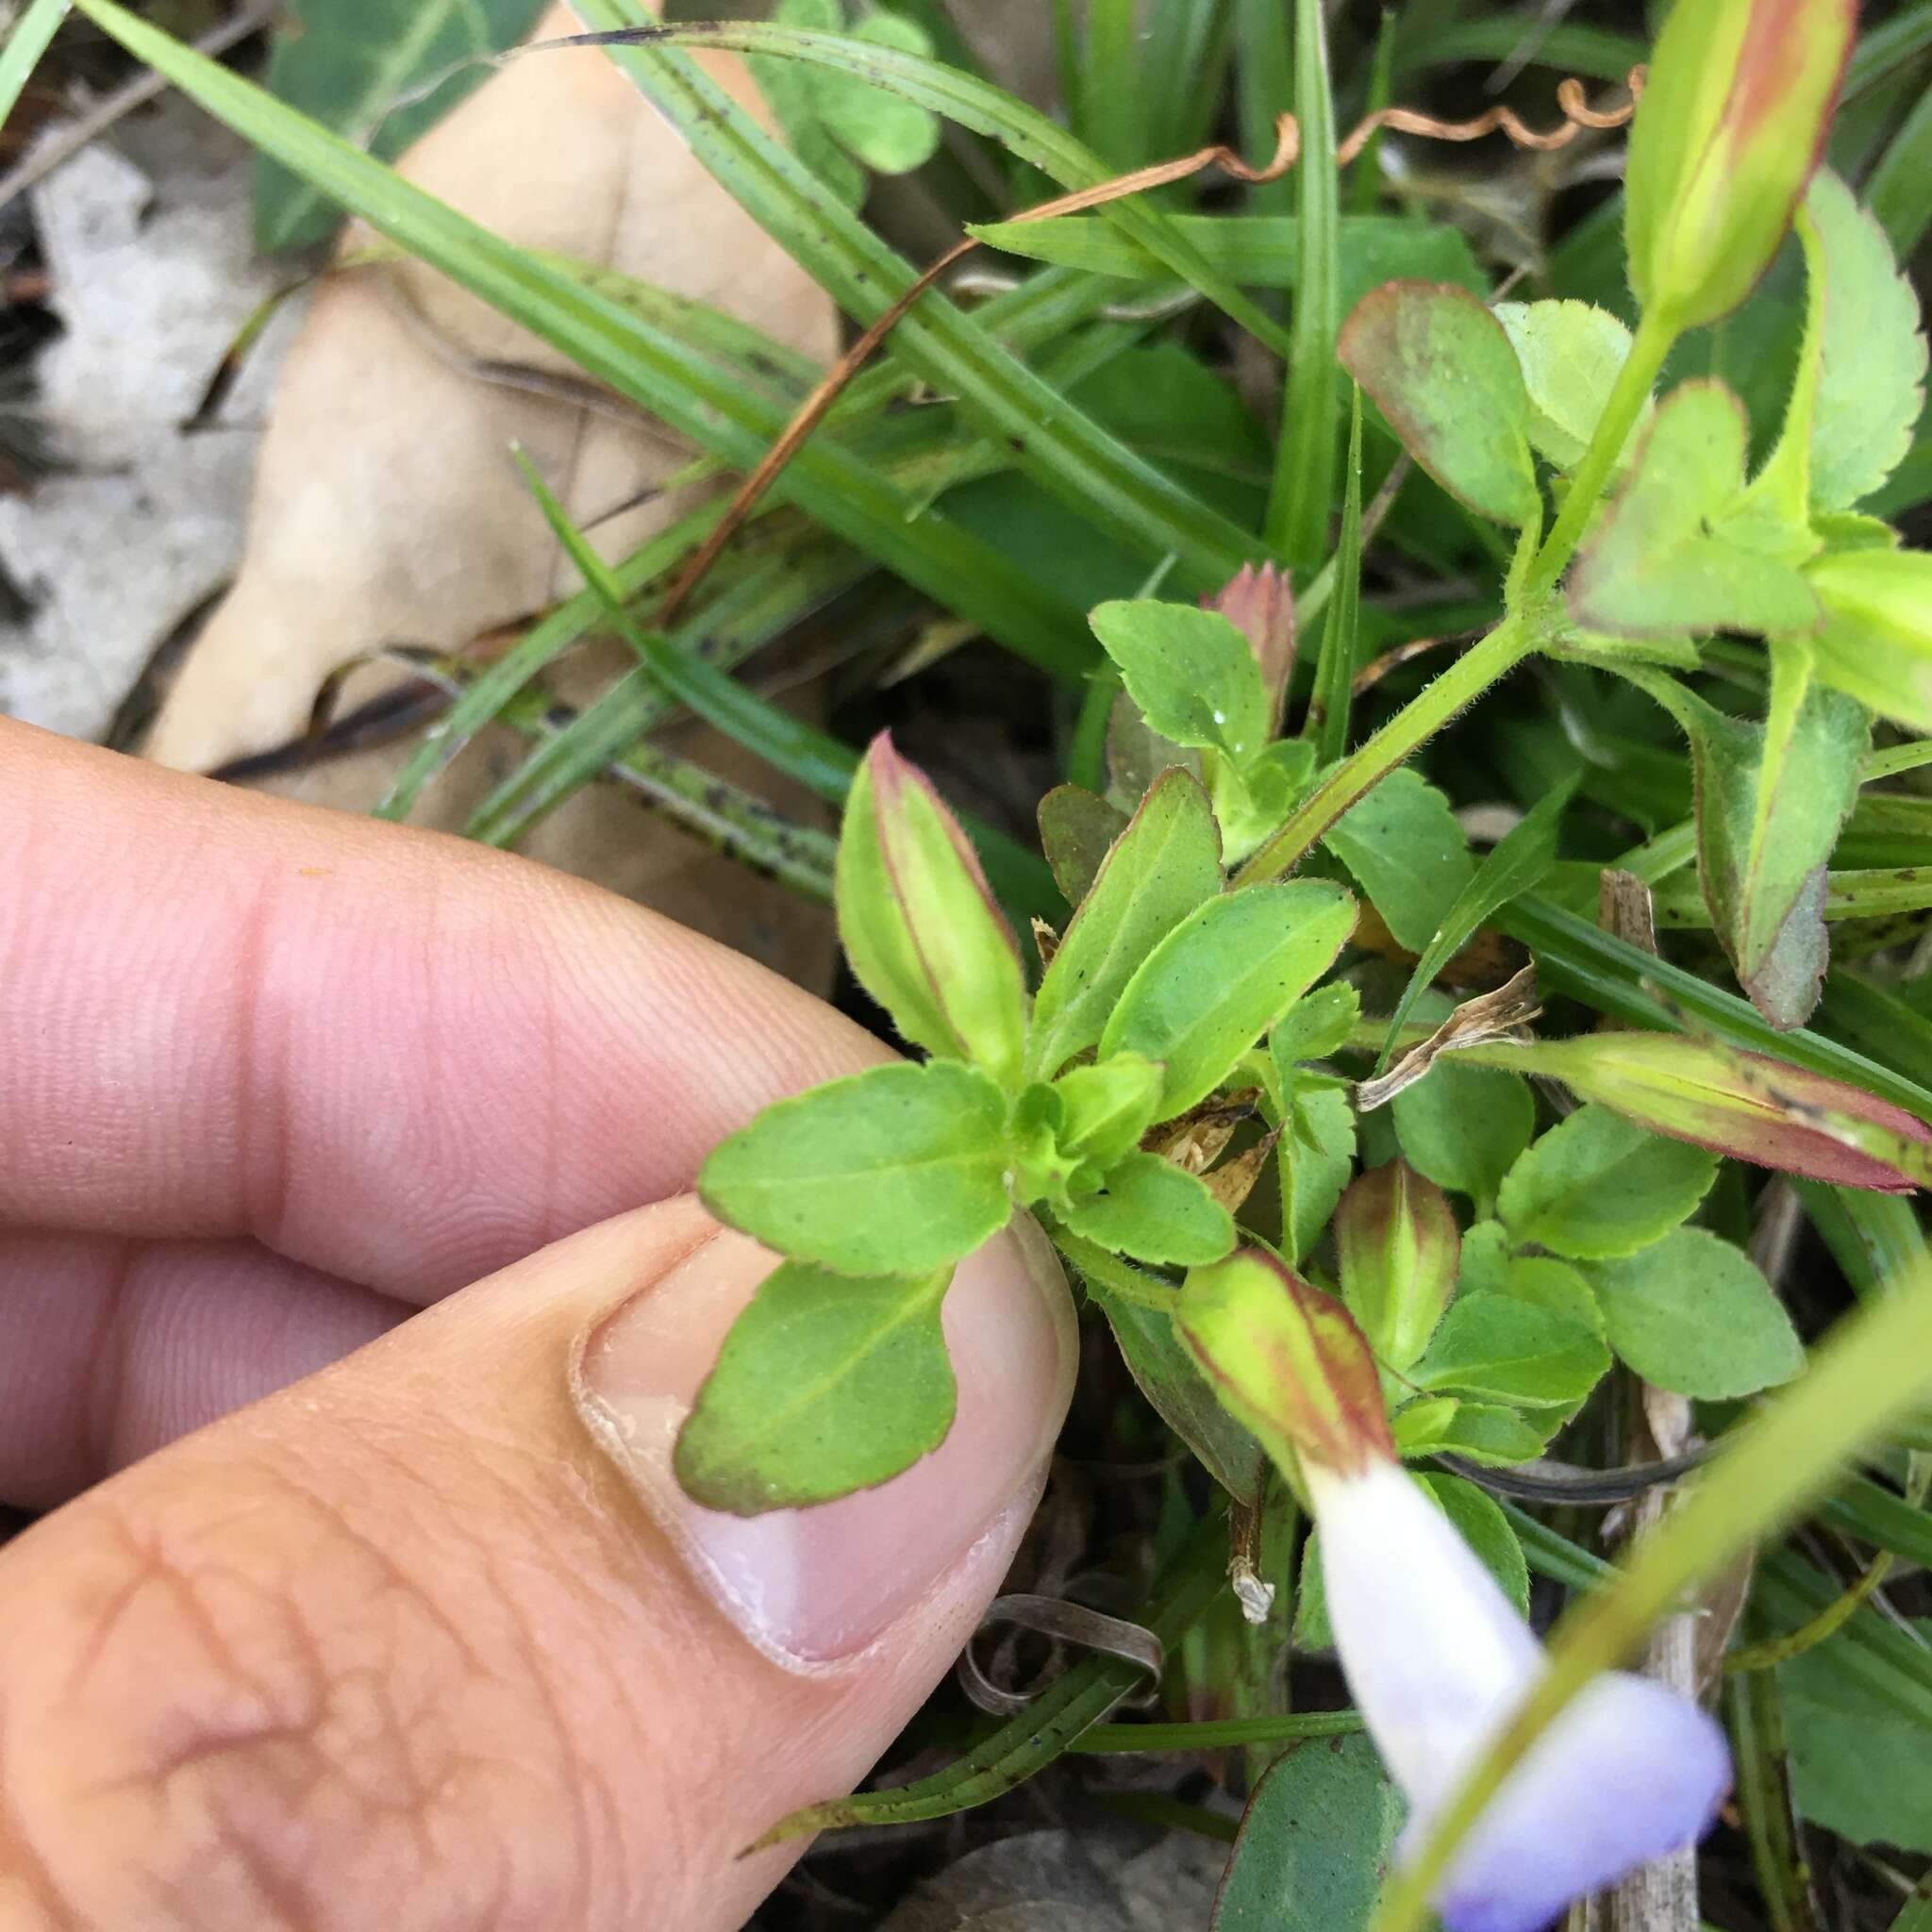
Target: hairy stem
{"points": [[1464, 681], [1628, 394]]}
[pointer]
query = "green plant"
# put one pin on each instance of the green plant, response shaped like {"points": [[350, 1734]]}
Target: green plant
{"points": [[1723, 622]]}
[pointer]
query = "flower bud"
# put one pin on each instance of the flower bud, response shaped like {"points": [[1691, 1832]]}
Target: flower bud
{"points": [[1396, 1239], [1746, 1104], [919, 921], [1287, 1360], [1260, 605], [1732, 120]]}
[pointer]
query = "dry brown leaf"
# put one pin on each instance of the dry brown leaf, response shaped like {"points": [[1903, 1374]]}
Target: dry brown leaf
{"points": [[1499, 1015], [387, 509], [1233, 1181], [1193, 1141]]}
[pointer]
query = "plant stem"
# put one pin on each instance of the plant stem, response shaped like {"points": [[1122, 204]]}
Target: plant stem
{"points": [[1117, 1276], [1871, 1371], [1654, 341], [1107, 1740], [1464, 681]]}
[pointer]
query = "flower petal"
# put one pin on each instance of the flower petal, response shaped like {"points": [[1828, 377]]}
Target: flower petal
{"points": [[1628, 1773], [1434, 1652]]}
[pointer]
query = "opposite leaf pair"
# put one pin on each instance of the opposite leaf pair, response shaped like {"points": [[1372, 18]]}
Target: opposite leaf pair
{"points": [[876, 1185]]}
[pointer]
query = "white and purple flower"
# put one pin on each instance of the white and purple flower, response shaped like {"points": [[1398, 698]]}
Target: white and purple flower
{"points": [[1438, 1661]]}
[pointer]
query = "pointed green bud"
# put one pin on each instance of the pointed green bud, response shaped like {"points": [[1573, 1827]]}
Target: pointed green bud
{"points": [[919, 921], [1731, 123], [1398, 1246], [1288, 1361]]}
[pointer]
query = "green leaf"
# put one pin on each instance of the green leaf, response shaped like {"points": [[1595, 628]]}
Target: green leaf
{"points": [[1671, 554], [1465, 1126], [1151, 1209], [1258, 251], [1223, 977], [1519, 861], [1871, 369], [896, 1171], [1251, 801], [1596, 1186], [1876, 643], [1076, 830], [1484, 1264], [1318, 1025], [1162, 869], [1547, 1283], [890, 134], [1190, 671], [1480, 1524], [1485, 1530], [352, 64], [1499, 1349], [1570, 354], [1481, 1432], [1397, 1244], [1859, 1767], [825, 1386], [1440, 369], [1770, 802], [1314, 1158], [1107, 1107], [1408, 854], [1318, 1830], [1164, 1371], [1692, 1313]]}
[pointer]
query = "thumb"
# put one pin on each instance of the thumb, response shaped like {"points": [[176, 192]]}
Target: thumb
{"points": [[431, 1639]]}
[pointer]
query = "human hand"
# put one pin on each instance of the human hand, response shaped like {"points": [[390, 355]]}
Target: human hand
{"points": [[424, 1637]]}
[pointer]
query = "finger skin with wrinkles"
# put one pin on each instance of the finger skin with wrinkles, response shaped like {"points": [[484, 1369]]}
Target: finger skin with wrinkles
{"points": [[399, 1638]]}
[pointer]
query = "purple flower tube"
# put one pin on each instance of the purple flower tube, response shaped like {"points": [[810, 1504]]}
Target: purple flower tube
{"points": [[1439, 1660]]}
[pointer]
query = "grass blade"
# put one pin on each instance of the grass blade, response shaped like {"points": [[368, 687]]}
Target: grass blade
{"points": [[23, 46], [717, 812], [1335, 666], [810, 758], [1025, 132], [1614, 978], [1264, 69], [642, 364], [1304, 457], [1259, 250], [1517, 864], [1068, 1707], [1899, 188]]}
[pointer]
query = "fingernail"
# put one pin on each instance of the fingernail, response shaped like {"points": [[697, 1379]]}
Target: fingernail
{"points": [[814, 1586]]}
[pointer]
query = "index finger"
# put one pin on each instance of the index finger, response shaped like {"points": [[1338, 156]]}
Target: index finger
{"points": [[384, 1053]]}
